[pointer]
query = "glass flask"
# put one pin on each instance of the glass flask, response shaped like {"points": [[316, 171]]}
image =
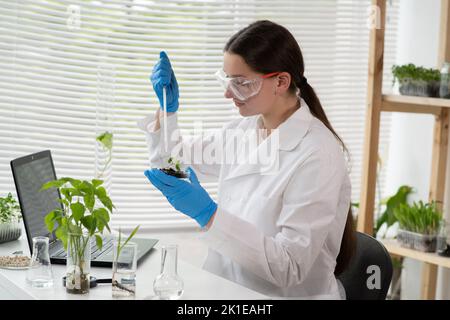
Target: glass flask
{"points": [[168, 285], [124, 269], [40, 274]]}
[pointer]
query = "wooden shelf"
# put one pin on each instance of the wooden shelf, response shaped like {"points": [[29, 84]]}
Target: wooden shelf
{"points": [[378, 103], [398, 103], [394, 248]]}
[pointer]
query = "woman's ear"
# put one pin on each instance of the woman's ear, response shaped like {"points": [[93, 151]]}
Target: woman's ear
{"points": [[283, 82]]}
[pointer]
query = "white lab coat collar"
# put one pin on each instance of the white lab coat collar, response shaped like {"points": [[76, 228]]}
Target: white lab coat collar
{"points": [[292, 131], [290, 134]]}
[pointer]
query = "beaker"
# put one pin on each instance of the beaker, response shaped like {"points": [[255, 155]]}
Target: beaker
{"points": [[168, 285], [40, 274]]}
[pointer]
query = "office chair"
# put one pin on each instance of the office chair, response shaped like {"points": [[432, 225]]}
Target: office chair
{"points": [[370, 260]]}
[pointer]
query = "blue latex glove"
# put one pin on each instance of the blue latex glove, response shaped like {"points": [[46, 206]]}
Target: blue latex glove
{"points": [[188, 197], [163, 76]]}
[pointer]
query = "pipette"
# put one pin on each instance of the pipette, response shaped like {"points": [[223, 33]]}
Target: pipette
{"points": [[165, 117]]}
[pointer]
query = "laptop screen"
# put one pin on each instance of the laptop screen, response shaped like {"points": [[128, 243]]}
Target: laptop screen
{"points": [[30, 173]]}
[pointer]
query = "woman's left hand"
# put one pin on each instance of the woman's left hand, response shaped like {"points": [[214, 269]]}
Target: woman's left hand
{"points": [[187, 197]]}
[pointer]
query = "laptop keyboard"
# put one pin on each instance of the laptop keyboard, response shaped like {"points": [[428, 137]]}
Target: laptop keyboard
{"points": [[95, 251]]}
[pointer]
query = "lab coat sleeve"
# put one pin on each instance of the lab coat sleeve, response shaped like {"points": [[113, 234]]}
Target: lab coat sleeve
{"points": [[188, 149], [309, 206]]}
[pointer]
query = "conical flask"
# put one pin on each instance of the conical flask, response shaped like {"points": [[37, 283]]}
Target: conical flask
{"points": [[168, 285]]}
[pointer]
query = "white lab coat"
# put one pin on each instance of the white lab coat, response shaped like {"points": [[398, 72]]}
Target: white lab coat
{"points": [[278, 234]]}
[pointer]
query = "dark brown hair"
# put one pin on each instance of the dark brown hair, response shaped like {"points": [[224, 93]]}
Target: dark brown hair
{"points": [[268, 47]]}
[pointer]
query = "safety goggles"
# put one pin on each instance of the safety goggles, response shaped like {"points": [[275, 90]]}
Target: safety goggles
{"points": [[242, 88]]}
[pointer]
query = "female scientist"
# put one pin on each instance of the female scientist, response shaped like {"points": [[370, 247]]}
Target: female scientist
{"points": [[286, 232]]}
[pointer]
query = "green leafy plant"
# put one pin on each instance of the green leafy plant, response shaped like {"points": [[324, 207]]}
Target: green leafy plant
{"points": [[86, 207], [106, 140], [410, 71], [9, 209], [85, 213], [400, 197], [419, 217]]}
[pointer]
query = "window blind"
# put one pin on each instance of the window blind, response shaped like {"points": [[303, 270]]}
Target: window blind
{"points": [[71, 70]]}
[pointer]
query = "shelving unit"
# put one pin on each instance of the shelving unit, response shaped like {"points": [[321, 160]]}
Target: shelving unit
{"points": [[377, 103]]}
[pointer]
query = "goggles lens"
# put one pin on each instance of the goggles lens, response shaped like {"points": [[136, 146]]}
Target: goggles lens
{"points": [[241, 88]]}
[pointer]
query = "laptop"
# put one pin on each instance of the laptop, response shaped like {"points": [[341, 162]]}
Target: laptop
{"points": [[30, 173]]}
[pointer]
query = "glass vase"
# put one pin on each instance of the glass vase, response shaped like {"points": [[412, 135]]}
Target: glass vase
{"points": [[124, 269], [39, 273], [78, 266]]}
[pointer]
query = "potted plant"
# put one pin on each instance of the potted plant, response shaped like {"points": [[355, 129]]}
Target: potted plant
{"points": [[417, 81], [387, 219], [174, 169], [386, 227], [9, 219], [85, 214], [419, 225]]}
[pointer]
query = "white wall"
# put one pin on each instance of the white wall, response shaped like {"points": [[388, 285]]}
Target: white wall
{"points": [[412, 135]]}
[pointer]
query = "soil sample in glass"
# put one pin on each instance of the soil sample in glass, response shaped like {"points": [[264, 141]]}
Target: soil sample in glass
{"points": [[174, 169]]}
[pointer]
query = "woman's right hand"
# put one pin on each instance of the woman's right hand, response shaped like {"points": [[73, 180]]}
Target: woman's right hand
{"points": [[163, 76]]}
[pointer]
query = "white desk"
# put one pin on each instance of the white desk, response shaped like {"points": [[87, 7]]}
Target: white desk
{"points": [[198, 283]]}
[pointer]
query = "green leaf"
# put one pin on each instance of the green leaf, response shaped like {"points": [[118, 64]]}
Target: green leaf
{"points": [[66, 193], [120, 246], [131, 235], [86, 187], [99, 241], [74, 182], [78, 210], [100, 192], [106, 140], [62, 234], [52, 184], [75, 192], [102, 217], [104, 199], [96, 182], [89, 223], [50, 220], [89, 201]]}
